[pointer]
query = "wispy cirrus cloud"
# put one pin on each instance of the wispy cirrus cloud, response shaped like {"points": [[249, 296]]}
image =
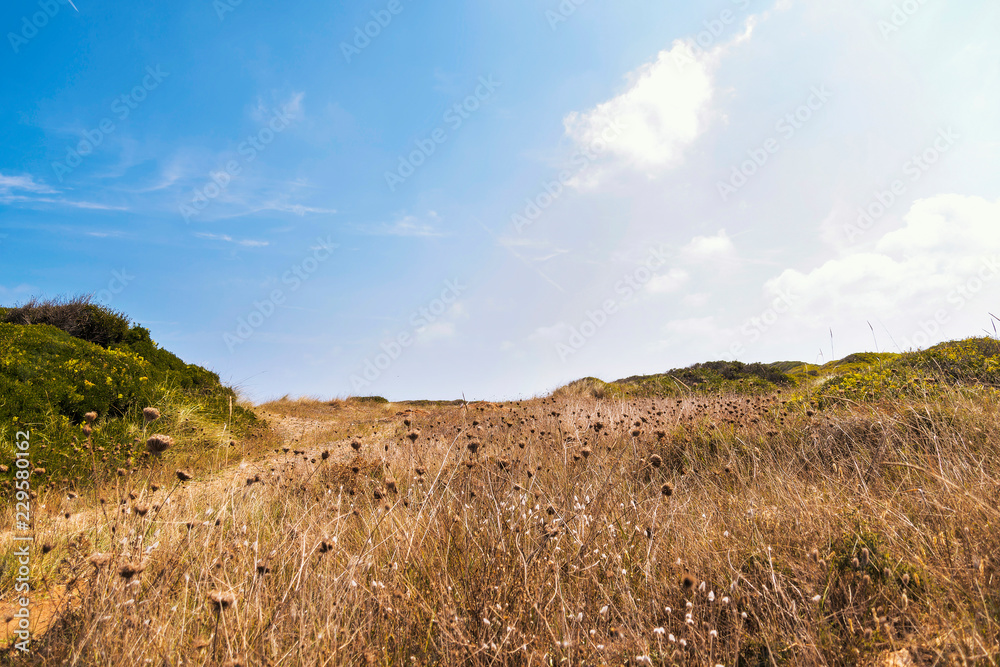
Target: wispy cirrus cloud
{"points": [[25, 190], [249, 243], [407, 225], [23, 183]]}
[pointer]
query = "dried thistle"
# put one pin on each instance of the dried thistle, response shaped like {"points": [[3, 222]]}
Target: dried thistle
{"points": [[222, 599], [131, 569], [99, 559], [158, 443]]}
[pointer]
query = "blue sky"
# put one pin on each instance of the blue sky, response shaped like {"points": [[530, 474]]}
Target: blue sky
{"points": [[494, 198]]}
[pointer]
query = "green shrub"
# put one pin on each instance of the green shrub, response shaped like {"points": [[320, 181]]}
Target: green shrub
{"points": [[44, 369], [370, 399], [76, 316], [712, 376]]}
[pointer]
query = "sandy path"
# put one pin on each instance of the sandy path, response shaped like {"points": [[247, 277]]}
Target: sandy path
{"points": [[302, 438]]}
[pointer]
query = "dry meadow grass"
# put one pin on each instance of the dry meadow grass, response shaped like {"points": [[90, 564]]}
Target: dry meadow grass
{"points": [[726, 530]]}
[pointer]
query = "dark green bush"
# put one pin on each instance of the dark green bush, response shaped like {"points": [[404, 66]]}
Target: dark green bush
{"points": [[369, 399], [77, 316]]}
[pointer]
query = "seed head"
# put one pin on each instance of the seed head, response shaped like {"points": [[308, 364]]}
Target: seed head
{"points": [[222, 600], [150, 414], [99, 559], [667, 489], [90, 417], [131, 569], [158, 443], [655, 461], [183, 475]]}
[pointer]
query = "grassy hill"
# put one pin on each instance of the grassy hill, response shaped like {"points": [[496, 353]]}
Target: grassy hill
{"points": [[60, 360], [866, 376]]}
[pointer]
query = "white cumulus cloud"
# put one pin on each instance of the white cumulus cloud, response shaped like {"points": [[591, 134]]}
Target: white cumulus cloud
{"points": [[947, 242]]}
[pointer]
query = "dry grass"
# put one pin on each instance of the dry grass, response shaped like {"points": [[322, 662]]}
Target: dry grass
{"points": [[798, 539]]}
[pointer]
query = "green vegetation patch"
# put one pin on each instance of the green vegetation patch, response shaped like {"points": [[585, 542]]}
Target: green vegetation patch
{"points": [[43, 369], [974, 361], [709, 377], [62, 359]]}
